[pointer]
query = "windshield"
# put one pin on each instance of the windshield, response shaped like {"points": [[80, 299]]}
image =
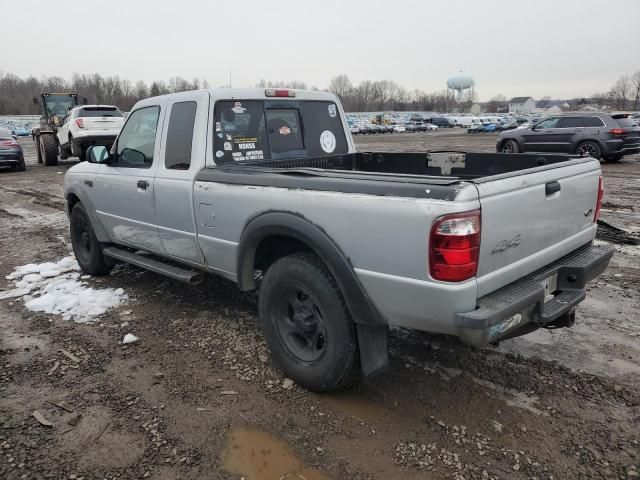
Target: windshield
{"points": [[59, 104]]}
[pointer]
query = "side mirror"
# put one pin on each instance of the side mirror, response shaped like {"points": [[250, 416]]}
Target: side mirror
{"points": [[98, 154]]}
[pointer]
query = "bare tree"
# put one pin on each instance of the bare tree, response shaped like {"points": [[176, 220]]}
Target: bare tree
{"points": [[635, 90], [619, 92]]}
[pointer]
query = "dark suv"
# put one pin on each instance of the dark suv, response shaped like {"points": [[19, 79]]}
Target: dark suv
{"points": [[601, 135]]}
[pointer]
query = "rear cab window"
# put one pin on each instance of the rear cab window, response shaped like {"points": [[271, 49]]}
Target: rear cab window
{"points": [[254, 130], [177, 155]]}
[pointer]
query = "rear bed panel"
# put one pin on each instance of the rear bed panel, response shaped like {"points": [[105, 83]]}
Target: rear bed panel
{"points": [[524, 226]]}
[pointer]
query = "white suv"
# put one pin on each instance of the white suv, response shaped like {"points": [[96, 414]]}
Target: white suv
{"points": [[88, 125]]}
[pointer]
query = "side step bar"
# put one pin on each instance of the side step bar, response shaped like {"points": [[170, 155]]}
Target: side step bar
{"points": [[187, 276]]}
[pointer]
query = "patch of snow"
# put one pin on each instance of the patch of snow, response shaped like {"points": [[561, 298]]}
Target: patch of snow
{"points": [[55, 288], [15, 293], [129, 338]]}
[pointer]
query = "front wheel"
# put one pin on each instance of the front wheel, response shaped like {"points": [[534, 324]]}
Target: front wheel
{"points": [[589, 149], [510, 146], [307, 325], [86, 247]]}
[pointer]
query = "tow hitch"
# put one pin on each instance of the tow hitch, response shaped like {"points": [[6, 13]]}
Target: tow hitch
{"points": [[565, 320]]}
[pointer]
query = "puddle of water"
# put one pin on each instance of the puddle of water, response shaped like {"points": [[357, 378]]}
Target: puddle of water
{"points": [[257, 455], [359, 408]]}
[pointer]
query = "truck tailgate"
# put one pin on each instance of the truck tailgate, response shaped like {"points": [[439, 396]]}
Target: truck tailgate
{"points": [[533, 219]]}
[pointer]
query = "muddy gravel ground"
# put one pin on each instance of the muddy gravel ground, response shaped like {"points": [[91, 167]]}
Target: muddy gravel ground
{"points": [[198, 397]]}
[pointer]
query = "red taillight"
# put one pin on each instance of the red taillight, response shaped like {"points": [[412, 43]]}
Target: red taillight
{"points": [[620, 132], [596, 214], [79, 123], [10, 143], [454, 247], [277, 92]]}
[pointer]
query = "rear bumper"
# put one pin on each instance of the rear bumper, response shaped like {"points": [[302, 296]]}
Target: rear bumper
{"points": [[620, 147], [90, 140], [9, 159], [520, 307]]}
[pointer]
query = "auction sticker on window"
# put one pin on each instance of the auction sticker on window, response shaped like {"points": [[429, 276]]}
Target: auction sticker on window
{"points": [[328, 141]]}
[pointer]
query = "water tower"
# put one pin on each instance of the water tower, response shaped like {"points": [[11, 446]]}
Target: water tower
{"points": [[461, 86]]}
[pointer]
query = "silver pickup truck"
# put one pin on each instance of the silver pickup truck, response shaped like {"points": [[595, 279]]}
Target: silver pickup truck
{"points": [[265, 188]]}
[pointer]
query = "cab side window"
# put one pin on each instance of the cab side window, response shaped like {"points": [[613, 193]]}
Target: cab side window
{"points": [[137, 140], [177, 154], [548, 123], [572, 122]]}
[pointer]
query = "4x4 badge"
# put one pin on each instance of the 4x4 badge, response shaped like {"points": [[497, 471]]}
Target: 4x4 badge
{"points": [[506, 244]]}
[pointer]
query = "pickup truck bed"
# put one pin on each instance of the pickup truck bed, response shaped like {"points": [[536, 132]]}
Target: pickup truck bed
{"points": [[390, 174]]}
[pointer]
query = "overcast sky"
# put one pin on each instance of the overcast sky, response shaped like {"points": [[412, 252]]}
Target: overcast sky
{"points": [[559, 48]]}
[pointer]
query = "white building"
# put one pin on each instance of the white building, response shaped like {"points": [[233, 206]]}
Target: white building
{"points": [[521, 105]]}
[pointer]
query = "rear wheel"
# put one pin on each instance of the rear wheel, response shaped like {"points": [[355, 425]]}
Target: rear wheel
{"points": [[49, 150], [589, 149], [86, 247], [307, 325], [76, 150], [62, 152], [20, 167], [510, 146]]}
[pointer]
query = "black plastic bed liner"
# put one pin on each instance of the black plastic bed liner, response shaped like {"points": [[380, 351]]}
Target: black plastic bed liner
{"points": [[436, 175]]}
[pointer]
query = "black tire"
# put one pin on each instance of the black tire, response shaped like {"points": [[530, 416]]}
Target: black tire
{"points": [[76, 150], [510, 146], [86, 247], [20, 167], [62, 152], [49, 150], [36, 140], [307, 325], [589, 148]]}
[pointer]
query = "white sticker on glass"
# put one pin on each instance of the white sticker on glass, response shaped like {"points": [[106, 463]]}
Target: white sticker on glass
{"points": [[328, 141], [332, 110], [238, 108], [219, 154]]}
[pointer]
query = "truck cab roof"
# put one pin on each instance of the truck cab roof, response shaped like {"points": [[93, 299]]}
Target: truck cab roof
{"points": [[246, 94]]}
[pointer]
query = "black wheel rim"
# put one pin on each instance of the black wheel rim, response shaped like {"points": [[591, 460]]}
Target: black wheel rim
{"points": [[82, 239], [589, 150], [507, 147], [300, 325]]}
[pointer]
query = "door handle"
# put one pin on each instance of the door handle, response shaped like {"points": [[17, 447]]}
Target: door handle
{"points": [[88, 183], [143, 184], [552, 187]]}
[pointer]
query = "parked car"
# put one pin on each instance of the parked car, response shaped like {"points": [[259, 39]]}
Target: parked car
{"points": [[442, 122], [476, 127], [88, 125], [399, 128], [602, 136], [11, 154], [20, 131], [490, 128], [354, 130], [466, 254]]}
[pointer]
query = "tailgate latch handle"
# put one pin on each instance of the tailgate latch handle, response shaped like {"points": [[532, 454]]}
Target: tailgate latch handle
{"points": [[552, 187]]}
